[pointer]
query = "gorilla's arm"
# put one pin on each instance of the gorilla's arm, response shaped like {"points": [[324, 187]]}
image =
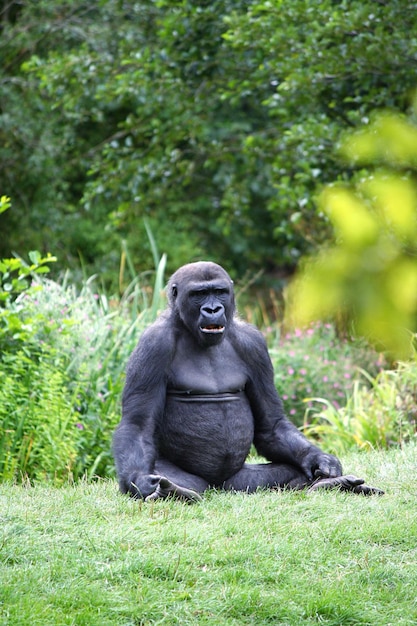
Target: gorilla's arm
{"points": [[143, 401], [276, 438]]}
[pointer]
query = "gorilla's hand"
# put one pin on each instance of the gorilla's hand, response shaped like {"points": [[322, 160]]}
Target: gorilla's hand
{"points": [[142, 485], [152, 486], [318, 464], [346, 483], [166, 489]]}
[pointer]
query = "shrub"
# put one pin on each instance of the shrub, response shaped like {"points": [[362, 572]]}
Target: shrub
{"points": [[62, 371], [38, 435], [379, 416], [315, 362]]}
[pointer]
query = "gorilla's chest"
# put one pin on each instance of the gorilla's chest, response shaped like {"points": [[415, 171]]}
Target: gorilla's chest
{"points": [[212, 370]]}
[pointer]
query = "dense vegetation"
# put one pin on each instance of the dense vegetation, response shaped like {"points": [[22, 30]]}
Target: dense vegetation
{"points": [[204, 129], [213, 120], [63, 353]]}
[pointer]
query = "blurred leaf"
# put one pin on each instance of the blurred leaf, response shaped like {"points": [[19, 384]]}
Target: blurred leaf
{"points": [[389, 139], [395, 199], [369, 274], [35, 257], [351, 220], [5, 203]]}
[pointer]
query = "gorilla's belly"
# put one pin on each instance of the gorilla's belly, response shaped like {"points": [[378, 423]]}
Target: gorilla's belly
{"points": [[207, 435]]}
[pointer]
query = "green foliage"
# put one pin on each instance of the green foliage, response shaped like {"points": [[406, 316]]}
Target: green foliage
{"points": [[315, 361], [376, 417], [36, 411], [213, 120], [16, 278], [38, 435], [370, 272], [5, 203], [62, 371], [15, 274]]}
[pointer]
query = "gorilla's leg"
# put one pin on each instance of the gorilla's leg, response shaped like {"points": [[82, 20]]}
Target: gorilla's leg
{"points": [[177, 483], [252, 476], [255, 475]]}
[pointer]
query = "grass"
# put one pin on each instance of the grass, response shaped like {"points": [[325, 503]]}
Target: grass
{"points": [[85, 555]]}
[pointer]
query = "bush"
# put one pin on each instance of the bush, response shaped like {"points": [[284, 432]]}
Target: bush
{"points": [[38, 434], [315, 362], [47, 368], [62, 366], [379, 416]]}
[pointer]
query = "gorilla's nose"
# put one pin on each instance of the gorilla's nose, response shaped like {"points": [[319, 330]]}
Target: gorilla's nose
{"points": [[213, 310]]}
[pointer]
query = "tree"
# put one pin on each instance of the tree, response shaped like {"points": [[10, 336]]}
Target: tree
{"points": [[214, 120]]}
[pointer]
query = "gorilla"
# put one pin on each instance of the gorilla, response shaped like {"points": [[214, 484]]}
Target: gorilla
{"points": [[199, 392]]}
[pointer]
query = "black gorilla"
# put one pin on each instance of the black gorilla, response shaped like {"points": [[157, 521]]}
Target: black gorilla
{"points": [[199, 391]]}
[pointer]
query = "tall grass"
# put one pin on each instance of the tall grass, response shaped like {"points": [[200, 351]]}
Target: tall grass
{"points": [[62, 374], [376, 416]]}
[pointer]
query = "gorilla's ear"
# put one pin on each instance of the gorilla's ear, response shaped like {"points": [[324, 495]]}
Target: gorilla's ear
{"points": [[174, 291]]}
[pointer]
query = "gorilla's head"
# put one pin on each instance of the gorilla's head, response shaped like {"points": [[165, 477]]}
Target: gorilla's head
{"points": [[201, 296]]}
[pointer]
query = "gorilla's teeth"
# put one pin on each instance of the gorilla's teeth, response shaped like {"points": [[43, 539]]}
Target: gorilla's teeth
{"points": [[212, 329]]}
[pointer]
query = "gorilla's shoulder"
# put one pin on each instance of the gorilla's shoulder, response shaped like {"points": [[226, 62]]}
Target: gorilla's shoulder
{"points": [[159, 330], [248, 338], [156, 341]]}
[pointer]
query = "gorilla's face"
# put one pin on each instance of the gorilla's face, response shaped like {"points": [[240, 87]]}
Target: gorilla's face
{"points": [[202, 296], [208, 304]]}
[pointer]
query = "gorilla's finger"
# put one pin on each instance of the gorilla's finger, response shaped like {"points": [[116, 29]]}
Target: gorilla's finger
{"points": [[153, 496], [345, 483], [368, 490], [326, 466]]}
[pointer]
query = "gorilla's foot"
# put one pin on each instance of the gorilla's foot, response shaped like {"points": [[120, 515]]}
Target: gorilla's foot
{"points": [[346, 483], [168, 489]]}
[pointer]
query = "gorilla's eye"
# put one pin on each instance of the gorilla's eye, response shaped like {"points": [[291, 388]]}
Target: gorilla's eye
{"points": [[206, 292]]}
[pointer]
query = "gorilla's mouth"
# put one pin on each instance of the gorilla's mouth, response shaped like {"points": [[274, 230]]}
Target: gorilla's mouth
{"points": [[212, 329]]}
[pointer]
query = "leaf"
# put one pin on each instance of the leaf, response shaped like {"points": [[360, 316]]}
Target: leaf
{"points": [[35, 257]]}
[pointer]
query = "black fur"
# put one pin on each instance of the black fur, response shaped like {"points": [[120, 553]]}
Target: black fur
{"points": [[199, 391]]}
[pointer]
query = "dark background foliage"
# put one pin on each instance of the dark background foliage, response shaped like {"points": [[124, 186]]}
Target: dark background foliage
{"points": [[216, 121]]}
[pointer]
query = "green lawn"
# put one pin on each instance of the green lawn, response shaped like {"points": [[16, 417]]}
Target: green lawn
{"points": [[85, 555]]}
